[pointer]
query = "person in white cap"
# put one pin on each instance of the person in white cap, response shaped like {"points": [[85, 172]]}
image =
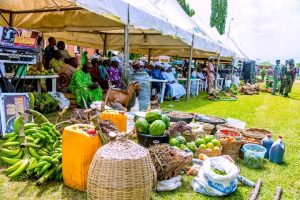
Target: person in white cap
{"points": [[174, 89], [211, 77], [157, 74], [114, 73]]}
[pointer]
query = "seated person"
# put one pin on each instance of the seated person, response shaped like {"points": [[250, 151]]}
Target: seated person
{"points": [[236, 80], [201, 74], [83, 88], [66, 74], [157, 74], [104, 64], [175, 90], [114, 73], [61, 48], [56, 63], [227, 82], [193, 82], [95, 71]]}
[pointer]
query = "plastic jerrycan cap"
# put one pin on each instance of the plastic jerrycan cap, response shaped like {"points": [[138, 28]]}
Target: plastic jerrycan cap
{"points": [[91, 132]]}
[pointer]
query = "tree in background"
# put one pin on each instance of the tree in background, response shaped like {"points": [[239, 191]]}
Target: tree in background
{"points": [[218, 15], [186, 7]]}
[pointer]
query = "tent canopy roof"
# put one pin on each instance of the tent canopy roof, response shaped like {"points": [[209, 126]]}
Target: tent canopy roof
{"points": [[76, 21]]}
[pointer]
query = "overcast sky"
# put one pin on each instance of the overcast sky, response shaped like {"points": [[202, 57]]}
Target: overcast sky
{"points": [[264, 29]]}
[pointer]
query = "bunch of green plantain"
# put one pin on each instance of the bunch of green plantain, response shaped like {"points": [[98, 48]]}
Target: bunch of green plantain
{"points": [[37, 155]]}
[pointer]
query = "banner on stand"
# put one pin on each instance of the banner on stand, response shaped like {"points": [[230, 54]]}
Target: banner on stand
{"points": [[11, 105], [18, 38]]}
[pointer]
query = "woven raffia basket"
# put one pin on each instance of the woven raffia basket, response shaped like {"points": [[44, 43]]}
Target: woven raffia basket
{"points": [[256, 133], [121, 170], [208, 152], [231, 148]]}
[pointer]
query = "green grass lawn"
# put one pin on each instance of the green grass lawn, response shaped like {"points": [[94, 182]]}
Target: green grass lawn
{"points": [[278, 114]]}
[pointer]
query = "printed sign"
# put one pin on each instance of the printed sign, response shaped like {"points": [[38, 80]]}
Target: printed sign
{"points": [[11, 105], [18, 38]]}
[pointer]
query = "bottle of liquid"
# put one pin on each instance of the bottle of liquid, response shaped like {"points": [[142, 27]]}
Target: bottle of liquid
{"points": [[277, 151], [267, 143]]}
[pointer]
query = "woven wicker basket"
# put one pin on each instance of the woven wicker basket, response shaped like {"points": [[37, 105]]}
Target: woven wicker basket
{"points": [[256, 133], [209, 153], [121, 170], [231, 148]]}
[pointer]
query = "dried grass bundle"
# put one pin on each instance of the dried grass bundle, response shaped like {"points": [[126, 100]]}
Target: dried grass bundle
{"points": [[168, 161]]}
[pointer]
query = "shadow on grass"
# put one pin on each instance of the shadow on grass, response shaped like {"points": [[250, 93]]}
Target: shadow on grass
{"points": [[69, 193]]}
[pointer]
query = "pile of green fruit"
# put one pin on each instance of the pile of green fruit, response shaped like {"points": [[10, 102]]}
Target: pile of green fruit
{"points": [[179, 142], [38, 71], [33, 150], [208, 142], [43, 102], [155, 123], [204, 142]]}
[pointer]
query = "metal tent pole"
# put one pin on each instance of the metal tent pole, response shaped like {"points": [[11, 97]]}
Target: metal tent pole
{"points": [[126, 49], [104, 44], [189, 70], [218, 63], [149, 56]]}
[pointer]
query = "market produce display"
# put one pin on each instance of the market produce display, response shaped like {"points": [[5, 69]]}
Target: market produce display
{"points": [[33, 150], [43, 102], [155, 123], [204, 144], [168, 161], [224, 96], [37, 70], [180, 114], [178, 128], [176, 116], [249, 89]]}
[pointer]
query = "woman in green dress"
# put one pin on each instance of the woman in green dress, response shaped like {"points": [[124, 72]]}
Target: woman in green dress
{"points": [[83, 88]]}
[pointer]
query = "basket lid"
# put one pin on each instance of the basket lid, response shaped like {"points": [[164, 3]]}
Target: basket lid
{"points": [[122, 149]]}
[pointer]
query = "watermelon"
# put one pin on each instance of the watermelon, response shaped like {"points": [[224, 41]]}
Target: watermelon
{"points": [[153, 115], [142, 126], [166, 119], [157, 128], [181, 139]]}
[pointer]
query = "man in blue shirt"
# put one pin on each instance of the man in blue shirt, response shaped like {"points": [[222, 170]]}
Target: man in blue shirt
{"points": [[276, 76], [157, 74]]}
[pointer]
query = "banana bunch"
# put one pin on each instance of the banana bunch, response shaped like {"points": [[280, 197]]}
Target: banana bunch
{"points": [[39, 156]]}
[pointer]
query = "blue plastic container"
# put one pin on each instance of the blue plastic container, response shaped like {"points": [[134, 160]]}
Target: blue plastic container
{"points": [[277, 151], [254, 155], [267, 143]]}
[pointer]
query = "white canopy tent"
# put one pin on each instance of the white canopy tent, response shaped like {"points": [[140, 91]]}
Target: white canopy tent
{"points": [[224, 40], [68, 21], [74, 20]]}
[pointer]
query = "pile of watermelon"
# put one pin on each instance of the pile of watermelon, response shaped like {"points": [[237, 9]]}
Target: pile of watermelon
{"points": [[155, 123]]}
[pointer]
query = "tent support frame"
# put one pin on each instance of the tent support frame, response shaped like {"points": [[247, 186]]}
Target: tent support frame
{"points": [[104, 38], [126, 47], [7, 22], [189, 70], [218, 63], [149, 56]]}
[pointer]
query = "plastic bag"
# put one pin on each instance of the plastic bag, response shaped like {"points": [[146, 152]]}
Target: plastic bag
{"points": [[169, 185], [236, 123], [63, 101], [136, 106], [210, 183]]}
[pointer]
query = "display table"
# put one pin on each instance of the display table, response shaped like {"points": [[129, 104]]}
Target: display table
{"points": [[52, 77], [163, 88], [192, 79]]}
